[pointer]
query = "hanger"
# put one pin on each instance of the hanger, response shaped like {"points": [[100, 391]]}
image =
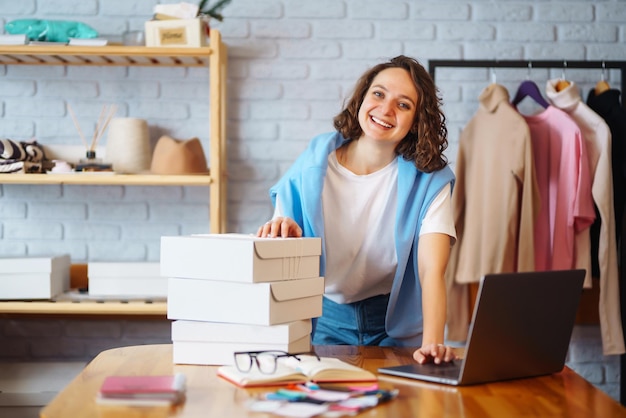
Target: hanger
{"points": [[529, 88], [602, 85], [562, 83]]}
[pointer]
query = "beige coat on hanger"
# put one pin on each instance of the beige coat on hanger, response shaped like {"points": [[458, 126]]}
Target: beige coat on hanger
{"points": [[494, 230]]}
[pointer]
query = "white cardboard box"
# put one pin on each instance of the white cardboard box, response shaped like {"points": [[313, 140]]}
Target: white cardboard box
{"points": [[224, 332], [133, 287], [123, 269], [197, 352], [245, 303], [34, 277], [176, 33], [240, 257], [126, 279]]}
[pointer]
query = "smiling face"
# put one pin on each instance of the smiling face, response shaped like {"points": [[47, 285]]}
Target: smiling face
{"points": [[389, 106]]}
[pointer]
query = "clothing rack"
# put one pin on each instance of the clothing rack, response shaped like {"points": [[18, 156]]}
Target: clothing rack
{"points": [[564, 64]]}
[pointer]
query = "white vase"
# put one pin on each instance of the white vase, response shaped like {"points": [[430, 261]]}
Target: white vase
{"points": [[128, 145]]}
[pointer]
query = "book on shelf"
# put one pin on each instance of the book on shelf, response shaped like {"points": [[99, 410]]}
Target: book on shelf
{"points": [[143, 390], [16, 39], [291, 370], [88, 41], [47, 43]]}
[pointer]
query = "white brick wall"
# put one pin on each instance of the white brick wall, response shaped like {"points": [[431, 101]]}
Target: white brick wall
{"points": [[291, 64]]}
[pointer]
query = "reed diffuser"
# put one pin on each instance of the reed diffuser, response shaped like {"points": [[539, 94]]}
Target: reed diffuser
{"points": [[91, 162]]}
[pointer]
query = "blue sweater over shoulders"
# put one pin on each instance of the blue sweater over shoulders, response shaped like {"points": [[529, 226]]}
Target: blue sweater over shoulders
{"points": [[300, 191]]}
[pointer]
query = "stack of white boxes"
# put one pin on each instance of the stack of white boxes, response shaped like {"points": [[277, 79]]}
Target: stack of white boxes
{"points": [[236, 292]]}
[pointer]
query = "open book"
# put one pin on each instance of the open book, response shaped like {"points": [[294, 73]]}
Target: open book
{"points": [[290, 370]]}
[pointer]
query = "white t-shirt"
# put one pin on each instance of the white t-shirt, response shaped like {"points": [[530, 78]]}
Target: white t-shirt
{"points": [[359, 219]]}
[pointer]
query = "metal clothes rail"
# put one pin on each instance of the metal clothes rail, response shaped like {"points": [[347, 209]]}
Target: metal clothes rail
{"points": [[563, 64]]}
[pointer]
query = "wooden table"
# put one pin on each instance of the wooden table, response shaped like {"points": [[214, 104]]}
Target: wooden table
{"points": [[564, 394]]}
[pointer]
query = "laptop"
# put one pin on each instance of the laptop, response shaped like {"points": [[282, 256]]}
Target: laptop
{"points": [[521, 327]]}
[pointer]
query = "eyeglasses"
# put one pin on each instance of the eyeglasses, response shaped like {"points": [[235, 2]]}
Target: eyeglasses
{"points": [[266, 361]]}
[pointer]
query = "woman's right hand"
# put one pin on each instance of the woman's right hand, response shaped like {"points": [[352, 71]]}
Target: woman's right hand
{"points": [[280, 227]]}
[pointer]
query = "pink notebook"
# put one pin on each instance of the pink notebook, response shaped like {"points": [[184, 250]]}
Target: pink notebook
{"points": [[165, 389]]}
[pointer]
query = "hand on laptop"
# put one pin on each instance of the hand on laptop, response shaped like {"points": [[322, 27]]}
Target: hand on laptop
{"points": [[436, 353]]}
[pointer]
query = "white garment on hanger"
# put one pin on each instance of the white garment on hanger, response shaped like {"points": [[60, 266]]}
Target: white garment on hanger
{"points": [[597, 137]]}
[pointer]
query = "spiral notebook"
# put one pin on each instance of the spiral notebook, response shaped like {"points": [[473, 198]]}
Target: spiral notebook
{"points": [[521, 327]]}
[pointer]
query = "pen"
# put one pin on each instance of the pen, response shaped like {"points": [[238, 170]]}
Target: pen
{"points": [[291, 393], [386, 395]]}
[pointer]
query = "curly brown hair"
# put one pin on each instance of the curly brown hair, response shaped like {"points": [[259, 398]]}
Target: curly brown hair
{"points": [[428, 137]]}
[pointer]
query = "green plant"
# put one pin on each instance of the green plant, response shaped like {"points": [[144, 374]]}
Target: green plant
{"points": [[214, 11]]}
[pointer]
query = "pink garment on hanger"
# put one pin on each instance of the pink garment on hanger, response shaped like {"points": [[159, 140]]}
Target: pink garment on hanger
{"points": [[564, 182]]}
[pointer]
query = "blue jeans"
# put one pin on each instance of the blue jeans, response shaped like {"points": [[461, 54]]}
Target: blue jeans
{"points": [[357, 323]]}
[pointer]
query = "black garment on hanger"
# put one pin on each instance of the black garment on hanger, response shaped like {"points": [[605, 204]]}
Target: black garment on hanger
{"points": [[607, 105]]}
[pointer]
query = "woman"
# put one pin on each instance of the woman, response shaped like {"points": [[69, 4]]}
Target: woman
{"points": [[377, 191]]}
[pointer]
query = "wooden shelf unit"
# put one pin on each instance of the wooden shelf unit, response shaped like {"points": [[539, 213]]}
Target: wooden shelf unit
{"points": [[85, 307], [73, 303], [96, 179], [114, 55], [215, 58]]}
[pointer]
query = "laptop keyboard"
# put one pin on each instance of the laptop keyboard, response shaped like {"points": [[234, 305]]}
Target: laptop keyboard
{"points": [[450, 370]]}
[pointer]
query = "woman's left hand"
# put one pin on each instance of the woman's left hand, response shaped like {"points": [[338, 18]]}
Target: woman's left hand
{"points": [[436, 353]]}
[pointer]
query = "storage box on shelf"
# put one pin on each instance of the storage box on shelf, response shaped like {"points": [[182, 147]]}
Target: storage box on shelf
{"points": [[184, 33], [130, 280], [34, 277], [214, 58], [78, 302]]}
